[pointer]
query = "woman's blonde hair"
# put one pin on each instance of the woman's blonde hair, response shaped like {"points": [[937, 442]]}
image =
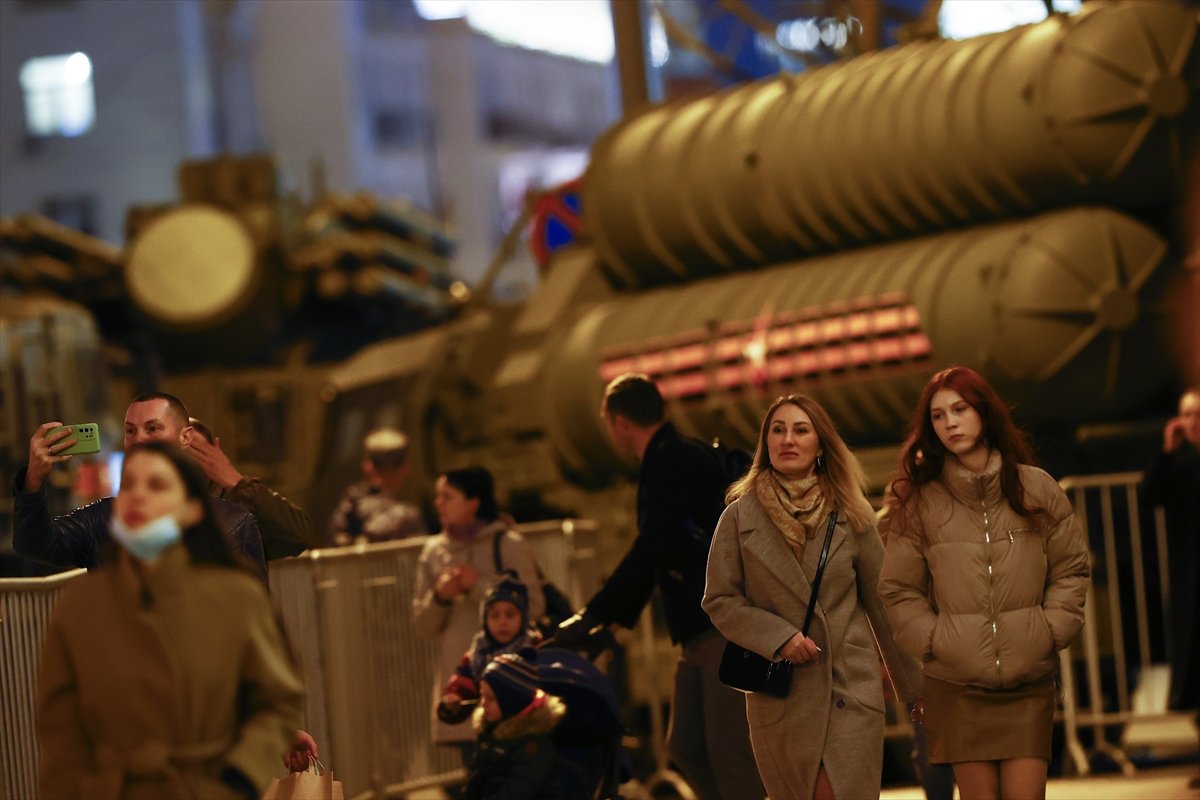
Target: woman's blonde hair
{"points": [[840, 476]]}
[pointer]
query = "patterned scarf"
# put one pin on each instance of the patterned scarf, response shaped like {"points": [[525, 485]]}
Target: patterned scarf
{"points": [[795, 505]]}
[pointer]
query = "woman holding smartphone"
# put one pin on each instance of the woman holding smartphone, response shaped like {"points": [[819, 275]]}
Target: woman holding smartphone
{"points": [[985, 579]]}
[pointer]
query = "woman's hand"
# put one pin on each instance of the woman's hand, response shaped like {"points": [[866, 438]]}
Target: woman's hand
{"points": [[468, 576], [800, 650], [447, 587], [304, 747], [917, 715], [455, 581]]}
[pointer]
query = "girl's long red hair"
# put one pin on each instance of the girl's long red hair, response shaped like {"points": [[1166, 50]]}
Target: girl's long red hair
{"points": [[924, 455]]}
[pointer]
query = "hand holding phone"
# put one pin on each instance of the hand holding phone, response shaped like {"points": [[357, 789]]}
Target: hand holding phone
{"points": [[86, 436], [52, 443]]}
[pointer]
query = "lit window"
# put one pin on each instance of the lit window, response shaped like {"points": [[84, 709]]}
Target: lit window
{"points": [[58, 95]]}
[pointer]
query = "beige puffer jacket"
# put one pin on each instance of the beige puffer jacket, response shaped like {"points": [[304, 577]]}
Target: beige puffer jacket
{"points": [[982, 595]]}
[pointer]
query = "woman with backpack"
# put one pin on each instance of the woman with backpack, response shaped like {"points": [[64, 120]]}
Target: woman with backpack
{"points": [[456, 567]]}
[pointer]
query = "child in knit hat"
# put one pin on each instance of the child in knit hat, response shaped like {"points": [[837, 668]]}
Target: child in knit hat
{"points": [[515, 755], [506, 629]]}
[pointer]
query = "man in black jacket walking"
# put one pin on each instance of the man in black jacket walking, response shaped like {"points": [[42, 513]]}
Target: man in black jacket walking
{"points": [[681, 494], [77, 538]]}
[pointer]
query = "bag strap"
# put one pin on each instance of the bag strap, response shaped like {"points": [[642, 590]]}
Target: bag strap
{"points": [[816, 584], [499, 562], [496, 552]]}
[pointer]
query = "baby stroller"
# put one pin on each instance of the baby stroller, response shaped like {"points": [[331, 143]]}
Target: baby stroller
{"points": [[588, 739]]}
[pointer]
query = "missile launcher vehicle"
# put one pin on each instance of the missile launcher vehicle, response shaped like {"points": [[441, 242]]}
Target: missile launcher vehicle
{"points": [[1023, 202]]}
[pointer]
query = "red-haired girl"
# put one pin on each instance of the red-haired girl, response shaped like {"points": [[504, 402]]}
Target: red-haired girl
{"points": [[984, 580]]}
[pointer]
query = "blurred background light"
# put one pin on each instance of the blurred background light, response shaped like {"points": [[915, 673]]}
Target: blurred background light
{"points": [[579, 28], [962, 19], [59, 100]]}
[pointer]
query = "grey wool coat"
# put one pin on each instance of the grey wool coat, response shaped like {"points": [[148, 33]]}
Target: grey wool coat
{"points": [[757, 595]]}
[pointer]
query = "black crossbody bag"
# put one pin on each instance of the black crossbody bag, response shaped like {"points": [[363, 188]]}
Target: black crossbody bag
{"points": [[746, 670]]}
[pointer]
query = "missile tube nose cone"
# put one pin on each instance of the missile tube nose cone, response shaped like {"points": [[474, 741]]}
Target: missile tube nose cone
{"points": [[1167, 96], [1117, 310]]}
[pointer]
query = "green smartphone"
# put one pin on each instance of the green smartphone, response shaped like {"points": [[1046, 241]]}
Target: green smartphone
{"points": [[87, 439]]}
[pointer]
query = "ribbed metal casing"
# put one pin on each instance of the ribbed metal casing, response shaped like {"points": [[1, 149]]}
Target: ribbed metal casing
{"points": [[1053, 310], [925, 137]]}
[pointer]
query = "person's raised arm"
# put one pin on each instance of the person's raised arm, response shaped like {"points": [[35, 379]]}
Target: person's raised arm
{"points": [[286, 529], [70, 540], [43, 454]]}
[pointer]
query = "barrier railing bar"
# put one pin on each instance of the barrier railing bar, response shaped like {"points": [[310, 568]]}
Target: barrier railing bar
{"points": [[1139, 576], [1115, 717], [402, 789], [40, 584], [1092, 661], [1091, 646], [324, 654], [1080, 482], [1070, 716], [1164, 577], [371, 596], [1114, 599]]}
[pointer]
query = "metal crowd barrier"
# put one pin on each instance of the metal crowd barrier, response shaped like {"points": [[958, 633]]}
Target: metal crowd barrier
{"points": [[368, 674], [347, 611], [25, 606], [1109, 509]]}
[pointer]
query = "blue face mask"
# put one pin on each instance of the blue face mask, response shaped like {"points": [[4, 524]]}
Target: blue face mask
{"points": [[146, 542]]}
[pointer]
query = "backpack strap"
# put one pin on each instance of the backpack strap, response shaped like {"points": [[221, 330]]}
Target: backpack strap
{"points": [[499, 562]]}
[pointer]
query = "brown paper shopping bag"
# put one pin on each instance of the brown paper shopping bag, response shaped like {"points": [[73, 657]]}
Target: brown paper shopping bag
{"points": [[315, 783]]}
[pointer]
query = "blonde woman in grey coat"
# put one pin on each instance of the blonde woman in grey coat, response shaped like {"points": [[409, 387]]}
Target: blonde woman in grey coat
{"points": [[825, 739]]}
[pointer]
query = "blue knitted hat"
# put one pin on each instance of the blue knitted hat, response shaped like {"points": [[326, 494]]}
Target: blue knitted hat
{"points": [[514, 680], [510, 589]]}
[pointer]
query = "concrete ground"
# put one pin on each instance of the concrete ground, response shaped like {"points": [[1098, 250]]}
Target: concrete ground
{"points": [[1157, 784]]}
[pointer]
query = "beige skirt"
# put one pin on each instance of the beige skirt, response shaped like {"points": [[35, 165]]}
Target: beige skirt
{"points": [[973, 723]]}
